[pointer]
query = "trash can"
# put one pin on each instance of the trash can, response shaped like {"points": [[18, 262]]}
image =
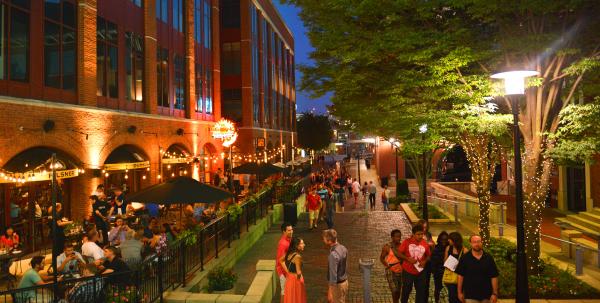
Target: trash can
{"points": [[290, 213]]}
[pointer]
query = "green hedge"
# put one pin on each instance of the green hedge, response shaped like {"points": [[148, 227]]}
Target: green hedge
{"points": [[433, 212], [551, 283]]}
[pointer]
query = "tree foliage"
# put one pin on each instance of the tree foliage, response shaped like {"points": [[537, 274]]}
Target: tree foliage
{"points": [[395, 64], [314, 131]]}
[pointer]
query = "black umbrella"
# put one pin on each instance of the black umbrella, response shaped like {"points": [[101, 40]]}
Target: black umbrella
{"points": [[180, 190], [263, 169]]}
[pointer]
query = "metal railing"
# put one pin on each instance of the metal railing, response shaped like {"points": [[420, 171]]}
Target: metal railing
{"points": [[579, 251]]}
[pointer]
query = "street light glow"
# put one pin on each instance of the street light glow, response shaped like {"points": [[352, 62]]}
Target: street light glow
{"points": [[514, 81], [423, 128]]}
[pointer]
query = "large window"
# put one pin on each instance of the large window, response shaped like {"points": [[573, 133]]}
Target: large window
{"points": [[255, 76], [14, 45], [107, 59], [162, 77], [137, 3], [178, 15], [209, 101], [265, 72], [199, 91], [198, 5], [232, 59], [207, 25], [230, 13], [179, 67], [134, 66], [60, 44], [162, 10], [232, 104]]}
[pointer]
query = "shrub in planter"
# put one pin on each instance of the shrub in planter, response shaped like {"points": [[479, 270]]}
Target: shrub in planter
{"points": [[220, 279], [402, 188]]}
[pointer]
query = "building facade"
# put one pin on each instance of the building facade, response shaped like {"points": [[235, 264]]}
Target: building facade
{"points": [[257, 77], [124, 92]]}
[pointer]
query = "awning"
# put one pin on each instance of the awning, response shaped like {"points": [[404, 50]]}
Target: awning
{"points": [[34, 164], [126, 157]]}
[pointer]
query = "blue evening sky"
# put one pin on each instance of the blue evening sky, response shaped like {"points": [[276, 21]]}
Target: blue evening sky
{"points": [[303, 47]]}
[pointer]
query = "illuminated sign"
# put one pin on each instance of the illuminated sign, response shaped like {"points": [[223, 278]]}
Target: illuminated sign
{"points": [[124, 166], [38, 176], [225, 131]]}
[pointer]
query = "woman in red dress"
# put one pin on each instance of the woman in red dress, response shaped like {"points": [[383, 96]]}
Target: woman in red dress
{"points": [[295, 291]]}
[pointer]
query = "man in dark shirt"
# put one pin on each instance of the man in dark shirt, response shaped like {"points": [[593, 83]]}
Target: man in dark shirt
{"points": [[100, 212], [340, 183], [337, 276], [477, 275], [115, 266]]}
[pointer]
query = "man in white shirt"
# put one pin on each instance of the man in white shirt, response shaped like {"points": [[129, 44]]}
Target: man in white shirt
{"points": [[355, 191], [91, 249]]}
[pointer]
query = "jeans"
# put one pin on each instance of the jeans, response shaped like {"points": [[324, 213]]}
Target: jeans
{"points": [[341, 198], [329, 213], [408, 280], [452, 293], [386, 205], [372, 200]]}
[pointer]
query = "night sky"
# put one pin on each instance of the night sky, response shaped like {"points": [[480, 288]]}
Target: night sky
{"points": [[303, 47]]}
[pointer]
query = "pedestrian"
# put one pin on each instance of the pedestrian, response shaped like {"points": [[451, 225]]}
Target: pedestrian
{"points": [[391, 260], [329, 205], [355, 191], [339, 189], [415, 254], [477, 275], [287, 230], [349, 183], [385, 196], [437, 264], [337, 276], [324, 195], [295, 291], [372, 194], [455, 249], [365, 191], [313, 203]]}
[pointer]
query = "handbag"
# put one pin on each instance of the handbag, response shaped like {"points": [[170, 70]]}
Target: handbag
{"points": [[451, 277]]}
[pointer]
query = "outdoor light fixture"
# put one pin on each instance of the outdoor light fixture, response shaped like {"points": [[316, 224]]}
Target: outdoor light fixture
{"points": [[423, 128], [514, 85], [514, 81]]}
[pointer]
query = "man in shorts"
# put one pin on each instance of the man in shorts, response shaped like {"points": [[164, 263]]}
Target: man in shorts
{"points": [[313, 203], [282, 247], [390, 258]]}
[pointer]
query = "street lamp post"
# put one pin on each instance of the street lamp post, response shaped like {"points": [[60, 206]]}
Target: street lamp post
{"points": [[514, 86], [423, 130]]}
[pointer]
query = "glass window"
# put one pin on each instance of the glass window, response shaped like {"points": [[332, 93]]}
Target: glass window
{"points": [[232, 59], [199, 91], [230, 13], [179, 69], [137, 3], [134, 66], [162, 10], [60, 44], [232, 104], [162, 77], [178, 15], [254, 44], [198, 21], [209, 101], [107, 60], [18, 43], [207, 25], [265, 72]]}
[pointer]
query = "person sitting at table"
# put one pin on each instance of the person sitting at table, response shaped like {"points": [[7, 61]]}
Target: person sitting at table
{"points": [[89, 290], [90, 249], [117, 234], [69, 261], [114, 264], [10, 239], [169, 232], [131, 248], [158, 241], [31, 278]]}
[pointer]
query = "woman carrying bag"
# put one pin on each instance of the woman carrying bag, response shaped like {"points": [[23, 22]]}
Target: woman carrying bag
{"points": [[452, 256]]}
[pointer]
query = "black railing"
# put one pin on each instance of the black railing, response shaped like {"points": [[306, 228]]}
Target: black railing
{"points": [[173, 266]]}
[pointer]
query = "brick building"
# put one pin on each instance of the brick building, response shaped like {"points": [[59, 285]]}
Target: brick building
{"points": [[123, 91], [257, 76]]}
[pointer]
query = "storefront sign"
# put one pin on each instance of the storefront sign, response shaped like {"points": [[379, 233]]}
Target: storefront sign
{"points": [[38, 176], [124, 166], [225, 130], [176, 160]]}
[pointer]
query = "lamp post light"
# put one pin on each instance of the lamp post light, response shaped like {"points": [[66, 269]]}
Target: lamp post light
{"points": [[395, 145], [514, 86], [423, 130]]}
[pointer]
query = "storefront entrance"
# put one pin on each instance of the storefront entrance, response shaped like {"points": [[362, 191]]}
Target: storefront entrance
{"points": [[576, 189]]}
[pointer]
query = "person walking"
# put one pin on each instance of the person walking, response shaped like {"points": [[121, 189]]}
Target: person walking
{"points": [[455, 249], [415, 254], [329, 205], [355, 191], [295, 291], [337, 276], [313, 203], [437, 264], [428, 271], [477, 275], [339, 190], [287, 230], [385, 196], [372, 194], [391, 260]]}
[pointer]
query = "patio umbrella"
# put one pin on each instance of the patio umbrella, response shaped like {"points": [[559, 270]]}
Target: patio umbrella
{"points": [[263, 169], [180, 190]]}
